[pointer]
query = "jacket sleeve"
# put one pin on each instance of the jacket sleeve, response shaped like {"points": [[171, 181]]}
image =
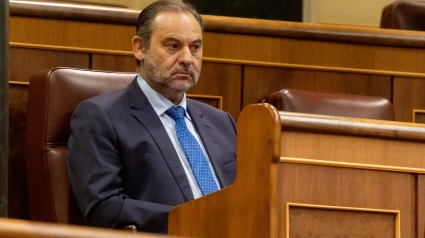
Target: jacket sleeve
{"points": [[95, 168]]}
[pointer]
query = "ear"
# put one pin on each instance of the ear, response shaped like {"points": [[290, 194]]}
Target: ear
{"points": [[138, 48]]}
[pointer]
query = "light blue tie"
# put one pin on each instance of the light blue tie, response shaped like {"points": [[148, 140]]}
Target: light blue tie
{"points": [[192, 149]]}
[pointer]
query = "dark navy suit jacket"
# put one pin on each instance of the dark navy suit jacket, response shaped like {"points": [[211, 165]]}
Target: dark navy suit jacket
{"points": [[123, 167]]}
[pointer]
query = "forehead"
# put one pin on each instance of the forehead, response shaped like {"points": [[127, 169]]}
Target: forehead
{"points": [[176, 23]]}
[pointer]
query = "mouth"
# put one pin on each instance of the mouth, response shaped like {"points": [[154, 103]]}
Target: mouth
{"points": [[183, 74]]}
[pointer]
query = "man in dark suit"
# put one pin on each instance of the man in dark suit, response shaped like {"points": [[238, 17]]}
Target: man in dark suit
{"points": [[136, 153]]}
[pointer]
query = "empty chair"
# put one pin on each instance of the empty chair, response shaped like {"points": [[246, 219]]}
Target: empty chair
{"points": [[53, 96], [404, 15], [292, 100]]}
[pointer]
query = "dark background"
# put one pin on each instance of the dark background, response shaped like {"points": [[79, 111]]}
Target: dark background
{"points": [[285, 10], [4, 105]]}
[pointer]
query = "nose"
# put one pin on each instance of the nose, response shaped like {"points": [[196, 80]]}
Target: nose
{"points": [[185, 57]]}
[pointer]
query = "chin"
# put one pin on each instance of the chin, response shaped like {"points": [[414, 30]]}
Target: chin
{"points": [[181, 86]]}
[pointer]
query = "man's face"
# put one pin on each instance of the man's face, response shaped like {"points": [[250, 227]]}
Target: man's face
{"points": [[173, 61]]}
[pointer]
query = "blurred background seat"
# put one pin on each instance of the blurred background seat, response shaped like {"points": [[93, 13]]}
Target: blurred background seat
{"points": [[404, 15], [332, 104]]}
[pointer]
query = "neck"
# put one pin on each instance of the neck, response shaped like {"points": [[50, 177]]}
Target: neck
{"points": [[174, 97]]}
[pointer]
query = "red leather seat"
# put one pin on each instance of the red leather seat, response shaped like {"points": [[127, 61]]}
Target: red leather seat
{"points": [[53, 96], [405, 15], [332, 104]]}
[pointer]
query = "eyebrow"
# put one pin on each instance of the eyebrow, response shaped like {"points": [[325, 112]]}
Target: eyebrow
{"points": [[171, 38], [197, 41]]}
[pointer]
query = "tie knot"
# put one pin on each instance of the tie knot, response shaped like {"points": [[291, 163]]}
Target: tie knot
{"points": [[177, 113]]}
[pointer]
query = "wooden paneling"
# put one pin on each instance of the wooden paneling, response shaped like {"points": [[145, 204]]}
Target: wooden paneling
{"points": [[259, 82], [408, 95], [420, 207], [119, 63], [309, 222], [70, 33], [286, 45], [321, 185], [241, 26], [221, 80], [353, 187], [25, 62], [225, 45], [18, 201], [330, 147], [268, 182], [309, 52]]}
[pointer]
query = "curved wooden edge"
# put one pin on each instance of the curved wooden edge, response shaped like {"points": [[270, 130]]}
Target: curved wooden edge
{"points": [[74, 12], [258, 151], [255, 120], [220, 24], [352, 126], [23, 228]]}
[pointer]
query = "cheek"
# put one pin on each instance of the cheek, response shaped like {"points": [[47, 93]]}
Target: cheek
{"points": [[167, 63], [164, 60], [197, 63]]}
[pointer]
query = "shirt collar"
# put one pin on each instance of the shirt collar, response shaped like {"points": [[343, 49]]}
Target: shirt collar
{"points": [[159, 103]]}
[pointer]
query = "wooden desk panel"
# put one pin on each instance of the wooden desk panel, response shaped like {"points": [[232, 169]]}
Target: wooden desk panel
{"points": [[340, 222], [408, 96], [310, 52], [420, 209], [361, 150], [374, 168], [343, 188]]}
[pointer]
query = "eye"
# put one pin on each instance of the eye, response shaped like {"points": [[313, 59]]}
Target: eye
{"points": [[196, 47], [173, 46]]}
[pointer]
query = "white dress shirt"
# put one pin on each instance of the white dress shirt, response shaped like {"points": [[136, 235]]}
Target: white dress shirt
{"points": [[161, 104]]}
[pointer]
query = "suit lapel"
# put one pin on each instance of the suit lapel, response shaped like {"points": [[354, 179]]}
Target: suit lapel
{"points": [[143, 111], [208, 138]]}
